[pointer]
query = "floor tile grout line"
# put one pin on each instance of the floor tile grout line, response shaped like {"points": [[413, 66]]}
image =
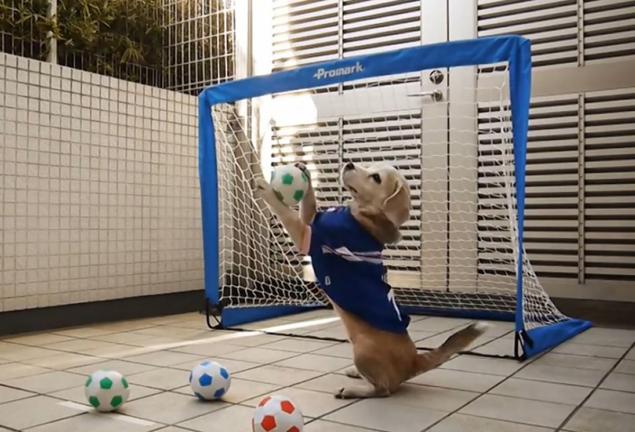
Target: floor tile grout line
{"points": [[353, 402], [101, 357], [559, 353], [596, 356], [57, 332], [127, 359], [455, 411], [239, 403], [35, 394], [439, 332], [498, 376], [488, 342], [169, 366], [477, 395], [297, 354], [445, 387], [31, 394], [58, 351], [321, 416], [241, 348], [616, 390], [46, 422], [255, 367], [163, 426], [160, 390], [513, 422], [597, 386], [274, 364], [46, 371], [172, 390], [91, 410], [554, 382], [572, 385], [76, 338]]}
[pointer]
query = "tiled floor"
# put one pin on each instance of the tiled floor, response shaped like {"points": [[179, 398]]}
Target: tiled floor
{"points": [[585, 385]]}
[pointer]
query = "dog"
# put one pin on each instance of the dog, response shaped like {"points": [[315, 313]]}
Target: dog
{"points": [[345, 245]]}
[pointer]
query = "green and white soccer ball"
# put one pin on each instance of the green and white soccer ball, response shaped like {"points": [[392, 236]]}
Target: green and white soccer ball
{"points": [[106, 390], [289, 184]]}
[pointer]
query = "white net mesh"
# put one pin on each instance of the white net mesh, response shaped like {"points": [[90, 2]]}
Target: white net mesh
{"points": [[458, 250]]}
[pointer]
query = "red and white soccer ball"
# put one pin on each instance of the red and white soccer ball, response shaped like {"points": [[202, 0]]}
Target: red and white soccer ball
{"points": [[277, 413]]}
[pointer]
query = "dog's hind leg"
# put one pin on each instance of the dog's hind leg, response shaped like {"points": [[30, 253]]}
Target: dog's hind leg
{"points": [[352, 372], [371, 370]]}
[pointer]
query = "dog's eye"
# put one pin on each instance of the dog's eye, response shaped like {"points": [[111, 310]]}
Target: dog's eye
{"points": [[376, 177]]}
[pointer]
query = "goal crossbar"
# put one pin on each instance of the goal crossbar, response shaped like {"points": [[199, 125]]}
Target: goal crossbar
{"points": [[513, 50]]}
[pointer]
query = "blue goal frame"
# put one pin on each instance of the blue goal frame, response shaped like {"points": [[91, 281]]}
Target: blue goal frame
{"points": [[512, 49]]}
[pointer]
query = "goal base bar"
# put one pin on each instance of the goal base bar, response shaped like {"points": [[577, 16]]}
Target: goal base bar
{"points": [[458, 313], [231, 317], [532, 342], [538, 340]]}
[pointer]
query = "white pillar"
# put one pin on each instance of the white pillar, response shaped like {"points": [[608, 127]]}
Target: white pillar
{"points": [[52, 14]]}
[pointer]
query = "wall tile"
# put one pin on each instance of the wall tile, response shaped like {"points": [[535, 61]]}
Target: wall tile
{"points": [[98, 188]]}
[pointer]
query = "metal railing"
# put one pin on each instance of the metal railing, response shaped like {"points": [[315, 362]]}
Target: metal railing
{"points": [[197, 42]]}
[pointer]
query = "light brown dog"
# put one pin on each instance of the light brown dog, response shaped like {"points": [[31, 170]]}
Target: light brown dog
{"points": [[381, 204]]}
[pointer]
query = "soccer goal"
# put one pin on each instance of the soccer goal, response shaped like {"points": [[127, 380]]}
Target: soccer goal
{"points": [[452, 117]]}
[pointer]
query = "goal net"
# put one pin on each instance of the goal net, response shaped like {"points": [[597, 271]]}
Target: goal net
{"points": [[448, 130]]}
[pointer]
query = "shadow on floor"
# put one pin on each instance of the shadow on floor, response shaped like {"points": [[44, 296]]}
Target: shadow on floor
{"points": [[601, 313]]}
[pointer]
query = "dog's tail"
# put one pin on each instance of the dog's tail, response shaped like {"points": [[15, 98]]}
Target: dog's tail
{"points": [[455, 343]]}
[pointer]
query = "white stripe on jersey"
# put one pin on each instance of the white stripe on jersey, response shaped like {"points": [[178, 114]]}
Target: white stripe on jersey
{"points": [[344, 252]]}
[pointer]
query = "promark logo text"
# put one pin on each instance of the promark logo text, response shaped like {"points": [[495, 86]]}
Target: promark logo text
{"points": [[322, 73]]}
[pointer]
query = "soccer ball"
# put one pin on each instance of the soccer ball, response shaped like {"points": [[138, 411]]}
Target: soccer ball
{"points": [[289, 184], [210, 380], [277, 413], [106, 390]]}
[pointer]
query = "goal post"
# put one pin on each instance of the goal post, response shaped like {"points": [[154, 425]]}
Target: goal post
{"points": [[463, 252]]}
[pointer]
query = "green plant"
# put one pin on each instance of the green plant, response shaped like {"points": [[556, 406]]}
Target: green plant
{"points": [[23, 26], [108, 36], [203, 53], [118, 30], [105, 33]]}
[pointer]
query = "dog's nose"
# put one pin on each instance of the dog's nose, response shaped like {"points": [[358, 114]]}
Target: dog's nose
{"points": [[349, 166]]}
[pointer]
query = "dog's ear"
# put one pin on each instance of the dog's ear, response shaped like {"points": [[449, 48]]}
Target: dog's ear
{"points": [[397, 206], [378, 224]]}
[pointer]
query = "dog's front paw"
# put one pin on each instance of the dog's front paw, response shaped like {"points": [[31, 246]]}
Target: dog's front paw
{"points": [[340, 393], [302, 167], [264, 190], [360, 392], [352, 372], [347, 393]]}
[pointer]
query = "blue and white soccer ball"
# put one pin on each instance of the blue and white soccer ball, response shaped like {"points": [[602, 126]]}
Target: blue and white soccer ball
{"points": [[210, 380]]}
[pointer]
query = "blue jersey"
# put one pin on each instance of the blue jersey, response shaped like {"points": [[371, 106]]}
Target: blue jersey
{"points": [[349, 267]]}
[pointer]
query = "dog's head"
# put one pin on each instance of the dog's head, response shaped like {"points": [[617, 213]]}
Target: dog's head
{"points": [[381, 197]]}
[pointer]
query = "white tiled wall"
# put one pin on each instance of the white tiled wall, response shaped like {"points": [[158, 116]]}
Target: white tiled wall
{"points": [[99, 195]]}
